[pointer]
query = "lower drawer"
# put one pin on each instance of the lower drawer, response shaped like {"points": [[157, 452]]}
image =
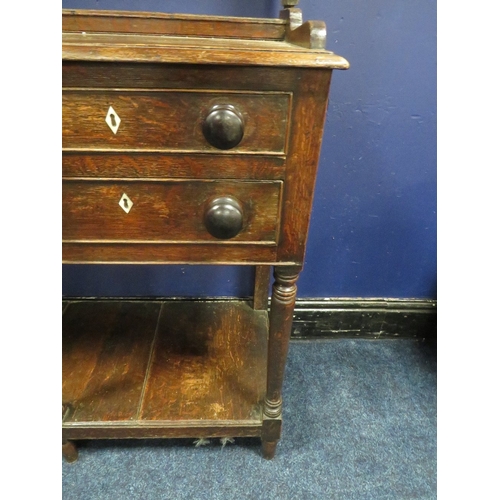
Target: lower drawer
{"points": [[170, 211]]}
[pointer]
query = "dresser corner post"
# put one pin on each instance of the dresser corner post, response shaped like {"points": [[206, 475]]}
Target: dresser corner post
{"points": [[261, 287], [280, 326]]}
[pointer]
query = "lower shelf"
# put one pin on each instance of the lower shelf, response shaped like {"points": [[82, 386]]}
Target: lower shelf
{"points": [[135, 369]]}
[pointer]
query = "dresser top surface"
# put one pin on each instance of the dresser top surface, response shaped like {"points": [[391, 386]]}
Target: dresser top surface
{"points": [[191, 39]]}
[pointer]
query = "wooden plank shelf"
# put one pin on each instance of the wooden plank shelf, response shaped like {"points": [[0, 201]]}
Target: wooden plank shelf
{"points": [[135, 369]]}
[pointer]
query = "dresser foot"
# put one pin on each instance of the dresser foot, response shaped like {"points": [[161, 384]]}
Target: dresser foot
{"points": [[69, 451], [271, 433], [269, 449]]}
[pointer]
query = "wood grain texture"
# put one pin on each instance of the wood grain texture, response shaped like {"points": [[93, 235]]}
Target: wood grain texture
{"points": [[202, 374], [143, 53], [164, 211], [261, 287], [163, 429], [307, 120], [168, 253], [169, 120], [102, 75], [165, 165], [106, 348], [152, 40], [208, 363], [100, 21]]}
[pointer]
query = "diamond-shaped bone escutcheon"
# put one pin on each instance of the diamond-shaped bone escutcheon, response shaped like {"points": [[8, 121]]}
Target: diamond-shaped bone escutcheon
{"points": [[126, 203], [113, 120]]}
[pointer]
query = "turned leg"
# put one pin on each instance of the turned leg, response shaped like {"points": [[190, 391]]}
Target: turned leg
{"points": [[280, 326], [69, 451], [261, 289]]}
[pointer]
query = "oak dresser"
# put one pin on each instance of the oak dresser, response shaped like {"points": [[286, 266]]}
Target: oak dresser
{"points": [[186, 140]]}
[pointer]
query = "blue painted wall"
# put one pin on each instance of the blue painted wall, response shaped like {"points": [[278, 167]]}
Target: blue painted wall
{"points": [[373, 227]]}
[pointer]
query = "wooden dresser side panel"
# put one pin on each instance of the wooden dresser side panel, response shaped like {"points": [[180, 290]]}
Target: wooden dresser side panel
{"points": [[307, 121]]}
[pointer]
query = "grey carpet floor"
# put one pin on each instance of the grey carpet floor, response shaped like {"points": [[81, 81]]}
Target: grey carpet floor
{"points": [[359, 423]]}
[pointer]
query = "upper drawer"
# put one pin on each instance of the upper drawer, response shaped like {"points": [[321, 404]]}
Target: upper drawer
{"points": [[191, 121]]}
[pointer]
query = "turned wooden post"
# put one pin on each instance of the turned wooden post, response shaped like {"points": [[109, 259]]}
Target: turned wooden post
{"points": [[289, 3], [280, 325]]}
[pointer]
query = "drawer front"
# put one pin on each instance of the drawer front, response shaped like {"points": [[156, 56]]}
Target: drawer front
{"points": [[174, 120], [170, 211]]}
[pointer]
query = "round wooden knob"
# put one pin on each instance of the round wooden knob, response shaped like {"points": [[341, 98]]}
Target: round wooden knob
{"points": [[224, 217], [223, 127]]}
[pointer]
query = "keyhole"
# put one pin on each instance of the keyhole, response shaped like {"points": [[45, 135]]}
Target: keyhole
{"points": [[112, 117], [125, 202]]}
